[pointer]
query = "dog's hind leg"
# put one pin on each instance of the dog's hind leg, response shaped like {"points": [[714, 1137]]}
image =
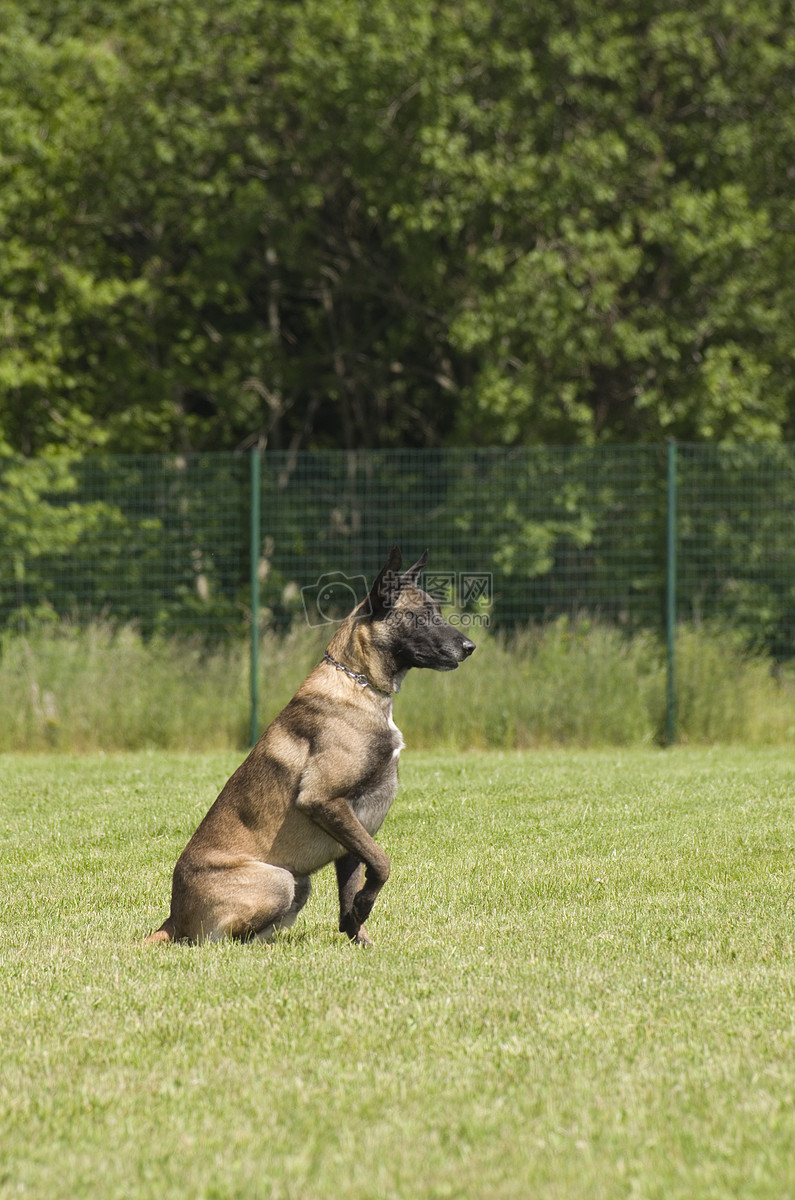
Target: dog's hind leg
{"points": [[242, 899], [303, 888]]}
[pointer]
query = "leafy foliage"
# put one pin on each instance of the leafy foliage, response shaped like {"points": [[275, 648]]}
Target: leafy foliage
{"points": [[338, 223]]}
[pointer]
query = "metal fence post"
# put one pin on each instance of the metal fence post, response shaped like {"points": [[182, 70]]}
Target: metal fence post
{"points": [[670, 596], [255, 542]]}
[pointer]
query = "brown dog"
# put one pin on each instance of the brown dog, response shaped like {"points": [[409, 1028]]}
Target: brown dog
{"points": [[319, 782]]}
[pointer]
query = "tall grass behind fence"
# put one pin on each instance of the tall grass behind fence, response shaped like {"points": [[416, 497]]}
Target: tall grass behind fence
{"points": [[173, 547]]}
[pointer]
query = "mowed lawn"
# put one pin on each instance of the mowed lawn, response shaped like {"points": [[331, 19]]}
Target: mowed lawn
{"points": [[583, 985]]}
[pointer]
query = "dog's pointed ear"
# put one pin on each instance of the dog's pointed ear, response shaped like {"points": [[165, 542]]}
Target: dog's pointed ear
{"points": [[385, 590], [412, 575]]}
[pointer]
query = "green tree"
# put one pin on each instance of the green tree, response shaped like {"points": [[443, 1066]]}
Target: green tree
{"points": [[624, 192], [347, 223]]}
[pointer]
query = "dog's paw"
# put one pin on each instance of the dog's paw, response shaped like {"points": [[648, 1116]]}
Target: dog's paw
{"points": [[355, 931]]}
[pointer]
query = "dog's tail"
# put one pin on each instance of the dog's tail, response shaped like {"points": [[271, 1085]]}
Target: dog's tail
{"points": [[164, 934]]}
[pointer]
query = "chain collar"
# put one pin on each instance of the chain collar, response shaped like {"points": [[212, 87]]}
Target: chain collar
{"points": [[362, 680]]}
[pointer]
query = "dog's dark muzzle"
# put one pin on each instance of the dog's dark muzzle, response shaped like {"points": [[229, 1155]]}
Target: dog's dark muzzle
{"points": [[462, 651]]}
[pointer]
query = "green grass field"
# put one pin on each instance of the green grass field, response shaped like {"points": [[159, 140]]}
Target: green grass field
{"points": [[583, 985]]}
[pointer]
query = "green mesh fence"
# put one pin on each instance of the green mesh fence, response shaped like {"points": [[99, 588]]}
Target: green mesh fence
{"points": [[516, 536], [158, 541], [736, 542], [531, 534]]}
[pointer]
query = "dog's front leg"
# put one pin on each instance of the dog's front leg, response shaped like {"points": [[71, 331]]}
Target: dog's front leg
{"points": [[338, 819], [350, 879]]}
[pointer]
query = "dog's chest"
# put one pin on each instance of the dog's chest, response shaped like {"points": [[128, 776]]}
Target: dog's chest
{"points": [[372, 800], [398, 743]]}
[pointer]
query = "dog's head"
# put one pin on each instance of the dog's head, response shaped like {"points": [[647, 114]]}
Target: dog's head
{"points": [[407, 623]]}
